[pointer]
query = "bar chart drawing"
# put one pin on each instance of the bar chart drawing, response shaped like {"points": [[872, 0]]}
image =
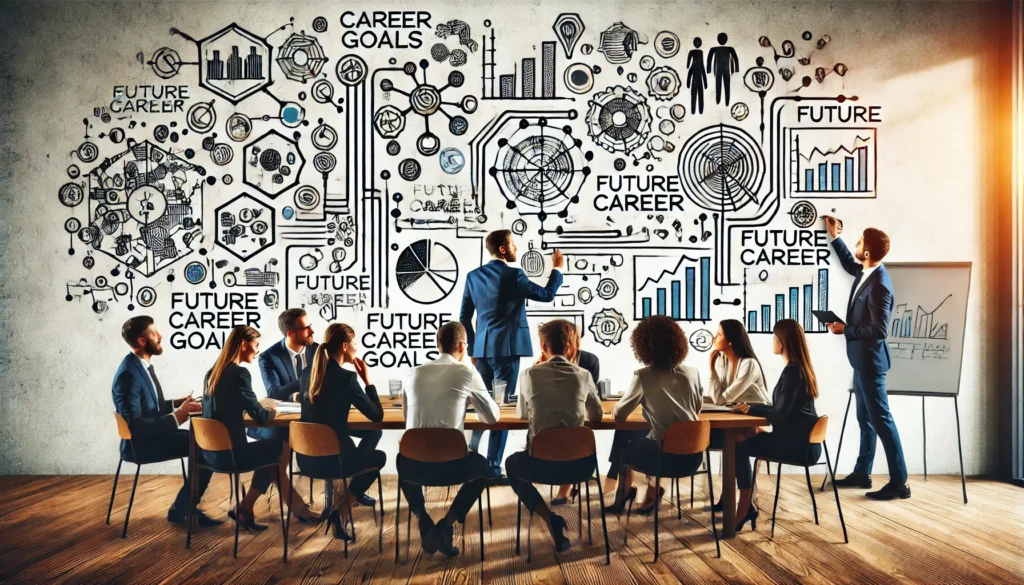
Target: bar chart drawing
{"points": [[682, 293], [919, 323], [832, 163], [522, 82], [794, 302]]}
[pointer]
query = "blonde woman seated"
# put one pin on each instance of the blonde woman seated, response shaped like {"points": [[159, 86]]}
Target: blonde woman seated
{"points": [[329, 392], [670, 392]]}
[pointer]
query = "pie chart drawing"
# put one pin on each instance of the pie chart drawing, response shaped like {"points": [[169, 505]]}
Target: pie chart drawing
{"points": [[427, 272]]}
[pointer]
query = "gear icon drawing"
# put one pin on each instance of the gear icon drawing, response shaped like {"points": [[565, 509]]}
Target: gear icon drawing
{"points": [[608, 325]]}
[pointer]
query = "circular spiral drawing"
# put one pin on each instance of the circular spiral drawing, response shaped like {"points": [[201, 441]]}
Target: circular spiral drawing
{"points": [[721, 168], [619, 119], [539, 168]]}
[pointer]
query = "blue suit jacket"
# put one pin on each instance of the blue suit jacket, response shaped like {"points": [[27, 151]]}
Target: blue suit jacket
{"points": [[867, 314], [278, 373], [136, 400], [497, 293]]}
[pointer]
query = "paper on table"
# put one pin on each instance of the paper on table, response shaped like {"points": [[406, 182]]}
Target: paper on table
{"points": [[289, 407], [715, 408]]}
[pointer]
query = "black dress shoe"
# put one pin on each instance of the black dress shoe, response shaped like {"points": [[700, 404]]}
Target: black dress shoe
{"points": [[365, 500], [427, 539], [441, 537], [855, 480], [890, 492], [181, 516]]}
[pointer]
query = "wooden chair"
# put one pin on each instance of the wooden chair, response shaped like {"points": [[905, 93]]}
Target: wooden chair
{"points": [[431, 446], [816, 437], [560, 445], [682, 438], [319, 440], [212, 435], [125, 433]]}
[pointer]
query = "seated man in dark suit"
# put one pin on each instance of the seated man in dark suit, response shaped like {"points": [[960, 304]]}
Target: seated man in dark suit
{"points": [[154, 421], [281, 367]]}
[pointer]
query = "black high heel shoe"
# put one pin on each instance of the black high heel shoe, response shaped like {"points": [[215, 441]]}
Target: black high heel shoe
{"points": [[334, 522], [647, 509], [718, 507], [620, 504], [752, 514], [246, 522], [563, 501], [557, 525], [315, 520]]}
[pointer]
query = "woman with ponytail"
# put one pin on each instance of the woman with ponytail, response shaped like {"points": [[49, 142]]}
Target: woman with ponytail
{"points": [[227, 396], [791, 414], [328, 393]]}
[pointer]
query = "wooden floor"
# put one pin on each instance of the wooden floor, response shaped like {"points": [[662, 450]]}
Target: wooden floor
{"points": [[52, 530]]}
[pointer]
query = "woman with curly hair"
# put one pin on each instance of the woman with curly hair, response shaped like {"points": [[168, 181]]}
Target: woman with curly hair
{"points": [[670, 392]]}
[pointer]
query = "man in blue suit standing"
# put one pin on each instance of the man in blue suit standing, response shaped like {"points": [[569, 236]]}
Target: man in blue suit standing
{"points": [[866, 332], [154, 421], [497, 293], [281, 367]]}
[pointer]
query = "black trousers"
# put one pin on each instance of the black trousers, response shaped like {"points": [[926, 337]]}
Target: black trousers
{"points": [[471, 472], [353, 461], [774, 446], [368, 438], [248, 456], [620, 441], [171, 446], [522, 472], [646, 456]]}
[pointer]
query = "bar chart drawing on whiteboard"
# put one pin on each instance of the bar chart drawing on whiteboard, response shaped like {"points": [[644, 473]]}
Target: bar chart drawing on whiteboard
{"points": [[920, 334], [683, 293], [832, 163]]}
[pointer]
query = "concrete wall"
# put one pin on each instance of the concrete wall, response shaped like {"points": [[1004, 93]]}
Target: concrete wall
{"points": [[928, 67]]}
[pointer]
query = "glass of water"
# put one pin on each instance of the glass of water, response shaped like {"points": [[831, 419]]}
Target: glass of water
{"points": [[498, 388], [395, 388]]}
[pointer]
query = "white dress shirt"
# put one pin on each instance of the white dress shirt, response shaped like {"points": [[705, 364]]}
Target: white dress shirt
{"points": [[436, 393], [557, 393], [863, 278]]}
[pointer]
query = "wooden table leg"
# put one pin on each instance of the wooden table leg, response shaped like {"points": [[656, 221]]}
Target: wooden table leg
{"points": [[192, 481], [729, 484]]}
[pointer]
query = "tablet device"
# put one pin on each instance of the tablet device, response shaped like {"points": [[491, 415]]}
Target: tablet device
{"points": [[827, 317]]}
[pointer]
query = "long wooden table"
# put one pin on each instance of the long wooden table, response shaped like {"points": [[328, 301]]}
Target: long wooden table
{"points": [[731, 423]]}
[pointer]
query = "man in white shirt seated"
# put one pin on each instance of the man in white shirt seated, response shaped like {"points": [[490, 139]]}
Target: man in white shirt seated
{"points": [[435, 397]]}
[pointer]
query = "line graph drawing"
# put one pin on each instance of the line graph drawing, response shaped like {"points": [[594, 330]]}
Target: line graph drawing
{"points": [[832, 163], [677, 292], [919, 323]]}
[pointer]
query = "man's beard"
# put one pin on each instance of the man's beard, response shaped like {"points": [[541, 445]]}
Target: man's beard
{"points": [[858, 255], [510, 256], [154, 348]]}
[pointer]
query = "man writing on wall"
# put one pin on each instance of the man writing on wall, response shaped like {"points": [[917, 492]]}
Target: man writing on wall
{"points": [[871, 303], [497, 293]]}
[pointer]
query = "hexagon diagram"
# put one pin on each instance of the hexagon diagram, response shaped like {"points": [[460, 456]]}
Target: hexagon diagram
{"points": [[234, 63], [245, 226], [273, 164], [145, 208]]}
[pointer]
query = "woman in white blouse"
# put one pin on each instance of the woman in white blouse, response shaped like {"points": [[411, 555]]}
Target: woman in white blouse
{"points": [[736, 376]]}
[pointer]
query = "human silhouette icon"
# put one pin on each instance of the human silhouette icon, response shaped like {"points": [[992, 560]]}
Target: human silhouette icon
{"points": [[696, 78], [723, 62]]}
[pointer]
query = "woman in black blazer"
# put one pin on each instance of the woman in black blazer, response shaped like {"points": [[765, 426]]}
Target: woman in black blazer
{"points": [[328, 393], [227, 396], [791, 413]]}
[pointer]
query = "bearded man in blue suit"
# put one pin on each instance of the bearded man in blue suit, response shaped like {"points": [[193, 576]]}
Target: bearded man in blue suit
{"points": [[866, 331], [497, 293]]}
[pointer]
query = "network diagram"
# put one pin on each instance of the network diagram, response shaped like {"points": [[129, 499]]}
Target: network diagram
{"points": [[354, 163]]}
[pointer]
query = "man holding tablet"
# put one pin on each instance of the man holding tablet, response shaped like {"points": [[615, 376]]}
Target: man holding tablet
{"points": [[866, 330]]}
